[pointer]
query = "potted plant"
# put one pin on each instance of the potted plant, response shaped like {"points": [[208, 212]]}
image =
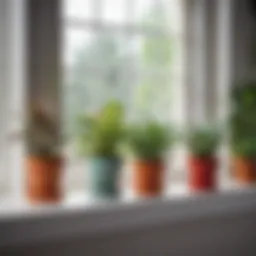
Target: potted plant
{"points": [[99, 138], [243, 130], [244, 161], [43, 163], [148, 142], [202, 144]]}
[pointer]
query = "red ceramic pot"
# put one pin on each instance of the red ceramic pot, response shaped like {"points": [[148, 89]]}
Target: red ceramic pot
{"points": [[202, 173]]}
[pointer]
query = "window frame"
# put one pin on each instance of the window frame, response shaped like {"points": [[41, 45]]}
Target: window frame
{"points": [[36, 27]]}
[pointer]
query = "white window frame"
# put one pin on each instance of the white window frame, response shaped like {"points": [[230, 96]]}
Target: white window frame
{"points": [[50, 39]]}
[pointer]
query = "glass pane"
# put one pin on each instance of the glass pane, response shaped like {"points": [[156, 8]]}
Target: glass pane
{"points": [[149, 76], [81, 9], [105, 51], [152, 96], [75, 43], [141, 10], [151, 13], [153, 52], [133, 69], [93, 67]]}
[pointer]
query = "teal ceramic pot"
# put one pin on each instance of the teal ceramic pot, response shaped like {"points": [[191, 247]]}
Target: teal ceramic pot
{"points": [[104, 177]]}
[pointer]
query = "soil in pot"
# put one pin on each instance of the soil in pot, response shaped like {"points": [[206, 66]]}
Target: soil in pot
{"points": [[148, 177], [244, 170], [202, 173], [104, 177], [43, 179]]}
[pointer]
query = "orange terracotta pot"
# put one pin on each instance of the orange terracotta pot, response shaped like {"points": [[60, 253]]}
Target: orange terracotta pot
{"points": [[43, 179], [202, 173], [148, 177], [244, 170]]}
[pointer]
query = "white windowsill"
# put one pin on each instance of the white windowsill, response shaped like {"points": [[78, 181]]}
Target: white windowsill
{"points": [[23, 224], [13, 207]]}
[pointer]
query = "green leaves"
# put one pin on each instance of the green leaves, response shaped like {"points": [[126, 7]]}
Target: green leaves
{"points": [[244, 95], [203, 141], [149, 140], [243, 119], [101, 134], [245, 147]]}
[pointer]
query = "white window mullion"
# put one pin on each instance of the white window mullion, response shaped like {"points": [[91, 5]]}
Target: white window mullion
{"points": [[224, 49], [224, 64], [178, 72]]}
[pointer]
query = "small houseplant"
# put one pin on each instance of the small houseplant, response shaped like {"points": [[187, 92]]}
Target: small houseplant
{"points": [[99, 138], [202, 143], [243, 130], [43, 164], [244, 162], [148, 143]]}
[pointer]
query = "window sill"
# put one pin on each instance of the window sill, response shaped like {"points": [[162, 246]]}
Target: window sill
{"points": [[29, 225]]}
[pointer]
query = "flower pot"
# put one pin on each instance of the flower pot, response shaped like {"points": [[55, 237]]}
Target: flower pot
{"points": [[244, 170], [148, 177], [43, 179], [104, 174], [202, 173]]}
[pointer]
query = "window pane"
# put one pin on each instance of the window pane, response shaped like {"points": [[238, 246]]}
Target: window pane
{"points": [[136, 70], [105, 65], [141, 10], [75, 41], [152, 96], [153, 13], [153, 52]]}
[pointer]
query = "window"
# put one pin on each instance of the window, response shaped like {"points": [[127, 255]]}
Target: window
{"points": [[130, 50]]}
